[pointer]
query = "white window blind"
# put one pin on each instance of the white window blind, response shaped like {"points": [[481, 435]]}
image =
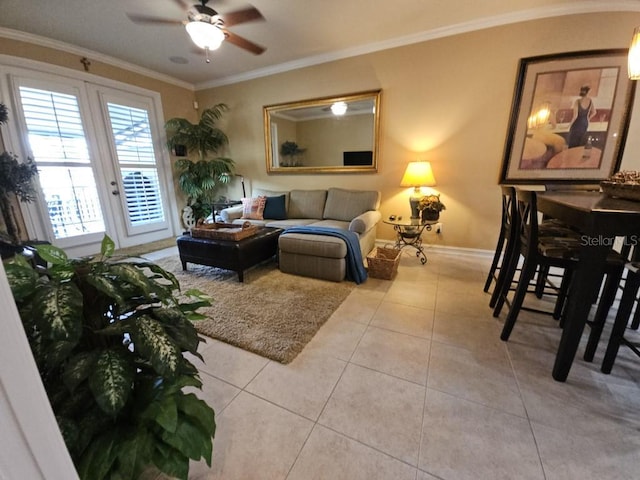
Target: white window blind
{"points": [[137, 161], [58, 145]]}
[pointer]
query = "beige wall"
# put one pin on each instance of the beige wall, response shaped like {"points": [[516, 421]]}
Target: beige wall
{"points": [[327, 138], [446, 101]]}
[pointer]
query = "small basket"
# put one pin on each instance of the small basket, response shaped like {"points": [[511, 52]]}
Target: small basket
{"points": [[224, 231], [383, 262]]}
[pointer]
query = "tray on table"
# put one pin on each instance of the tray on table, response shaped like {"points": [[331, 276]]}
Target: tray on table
{"points": [[224, 231], [621, 190]]}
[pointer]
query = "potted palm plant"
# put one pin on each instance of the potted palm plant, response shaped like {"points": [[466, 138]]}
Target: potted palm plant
{"points": [[109, 337], [199, 175], [292, 153]]}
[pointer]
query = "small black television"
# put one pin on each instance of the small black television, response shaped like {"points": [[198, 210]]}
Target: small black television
{"points": [[351, 159]]}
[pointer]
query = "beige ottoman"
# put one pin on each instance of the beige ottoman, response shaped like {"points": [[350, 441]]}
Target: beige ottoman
{"points": [[309, 255]]}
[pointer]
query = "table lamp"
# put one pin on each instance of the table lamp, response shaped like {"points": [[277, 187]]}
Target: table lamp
{"points": [[417, 174]]}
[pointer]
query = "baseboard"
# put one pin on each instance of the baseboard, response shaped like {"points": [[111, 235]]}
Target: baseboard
{"points": [[469, 252]]}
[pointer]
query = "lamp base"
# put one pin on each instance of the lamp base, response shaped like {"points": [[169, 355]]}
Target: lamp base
{"points": [[414, 202]]}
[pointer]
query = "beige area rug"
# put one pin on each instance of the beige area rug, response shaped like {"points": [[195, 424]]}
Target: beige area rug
{"points": [[271, 313]]}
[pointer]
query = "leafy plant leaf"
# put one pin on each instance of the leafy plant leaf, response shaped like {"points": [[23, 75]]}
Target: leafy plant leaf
{"points": [[154, 344], [22, 279], [199, 412], [189, 439], [78, 369], [60, 307], [164, 413], [99, 457], [106, 286], [51, 254], [134, 453], [171, 461], [162, 272], [57, 352], [107, 247], [111, 381]]}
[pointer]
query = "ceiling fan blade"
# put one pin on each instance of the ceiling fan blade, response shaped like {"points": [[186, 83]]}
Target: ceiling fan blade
{"points": [[241, 16], [241, 42], [183, 4], [135, 18]]}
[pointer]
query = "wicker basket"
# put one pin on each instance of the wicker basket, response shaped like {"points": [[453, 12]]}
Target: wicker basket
{"points": [[383, 262], [621, 190], [224, 231]]}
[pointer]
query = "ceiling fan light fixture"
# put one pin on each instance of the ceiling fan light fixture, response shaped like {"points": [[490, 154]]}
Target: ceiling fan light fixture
{"points": [[205, 35], [339, 108]]}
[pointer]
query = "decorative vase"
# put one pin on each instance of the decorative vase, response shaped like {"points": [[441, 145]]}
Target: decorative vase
{"points": [[430, 215]]}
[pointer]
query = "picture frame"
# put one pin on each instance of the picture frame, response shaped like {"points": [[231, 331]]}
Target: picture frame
{"points": [[552, 140]]}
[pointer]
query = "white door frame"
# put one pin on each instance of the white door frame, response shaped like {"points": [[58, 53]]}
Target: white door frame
{"points": [[31, 445], [32, 213]]}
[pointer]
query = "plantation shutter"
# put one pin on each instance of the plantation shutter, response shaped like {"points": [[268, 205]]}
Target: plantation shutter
{"points": [[137, 162], [58, 144]]}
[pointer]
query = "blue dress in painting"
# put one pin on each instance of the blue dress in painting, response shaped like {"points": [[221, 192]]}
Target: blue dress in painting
{"points": [[578, 129]]}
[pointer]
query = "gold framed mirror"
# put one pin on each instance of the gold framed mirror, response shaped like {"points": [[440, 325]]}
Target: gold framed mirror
{"points": [[323, 135]]}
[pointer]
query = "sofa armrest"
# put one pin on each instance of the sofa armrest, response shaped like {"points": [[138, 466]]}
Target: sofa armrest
{"points": [[365, 221], [228, 215]]}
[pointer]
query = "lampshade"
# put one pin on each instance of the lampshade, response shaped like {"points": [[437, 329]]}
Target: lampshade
{"points": [[205, 35], [418, 174], [634, 56]]}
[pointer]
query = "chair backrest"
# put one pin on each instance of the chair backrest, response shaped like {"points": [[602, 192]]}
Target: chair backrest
{"points": [[509, 210], [527, 221]]}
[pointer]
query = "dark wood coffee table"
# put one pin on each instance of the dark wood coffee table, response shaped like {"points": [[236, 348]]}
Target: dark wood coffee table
{"points": [[236, 255]]}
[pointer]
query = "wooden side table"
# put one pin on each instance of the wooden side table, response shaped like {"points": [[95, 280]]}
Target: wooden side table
{"points": [[409, 234]]}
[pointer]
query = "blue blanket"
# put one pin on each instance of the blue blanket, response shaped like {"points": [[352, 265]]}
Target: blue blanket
{"points": [[355, 267]]}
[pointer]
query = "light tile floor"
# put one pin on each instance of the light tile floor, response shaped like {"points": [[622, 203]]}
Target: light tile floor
{"points": [[409, 380]]}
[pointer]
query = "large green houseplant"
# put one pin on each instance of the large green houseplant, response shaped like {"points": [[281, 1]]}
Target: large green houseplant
{"points": [[108, 337], [200, 176]]}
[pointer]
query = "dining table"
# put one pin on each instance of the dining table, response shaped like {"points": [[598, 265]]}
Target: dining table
{"points": [[600, 219]]}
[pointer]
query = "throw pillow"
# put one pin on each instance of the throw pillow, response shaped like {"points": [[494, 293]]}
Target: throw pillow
{"points": [[253, 208], [274, 208]]}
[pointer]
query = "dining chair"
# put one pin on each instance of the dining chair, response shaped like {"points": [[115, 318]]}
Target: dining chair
{"points": [[618, 338], [543, 253], [506, 246], [506, 239]]}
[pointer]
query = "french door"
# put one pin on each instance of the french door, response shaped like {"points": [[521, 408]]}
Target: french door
{"points": [[99, 159]]}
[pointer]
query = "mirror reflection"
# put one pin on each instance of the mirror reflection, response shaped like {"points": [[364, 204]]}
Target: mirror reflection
{"points": [[324, 135]]}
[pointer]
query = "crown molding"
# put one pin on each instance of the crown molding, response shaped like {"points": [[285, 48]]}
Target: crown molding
{"points": [[585, 6], [84, 52]]}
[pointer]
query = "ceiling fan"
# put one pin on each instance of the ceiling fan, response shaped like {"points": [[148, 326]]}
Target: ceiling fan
{"points": [[207, 28]]}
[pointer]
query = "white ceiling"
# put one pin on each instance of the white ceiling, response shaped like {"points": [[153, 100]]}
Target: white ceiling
{"points": [[295, 32]]}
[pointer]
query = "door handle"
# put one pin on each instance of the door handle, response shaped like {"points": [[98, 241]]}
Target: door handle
{"points": [[115, 192]]}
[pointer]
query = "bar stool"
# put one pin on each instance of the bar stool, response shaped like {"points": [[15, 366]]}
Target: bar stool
{"points": [[629, 298], [507, 243], [506, 240], [543, 253]]}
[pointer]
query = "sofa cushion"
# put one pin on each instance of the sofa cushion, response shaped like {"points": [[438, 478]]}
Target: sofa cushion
{"points": [[252, 208], [345, 205], [306, 203], [275, 208], [261, 192]]}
